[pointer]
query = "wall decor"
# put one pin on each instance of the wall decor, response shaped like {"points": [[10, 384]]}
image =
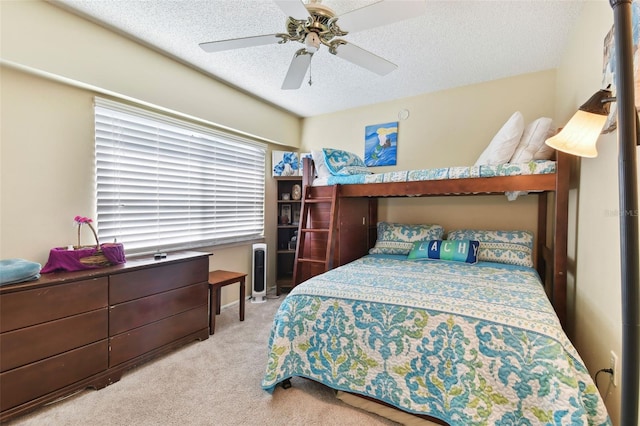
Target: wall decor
{"points": [[381, 144], [609, 71], [285, 163]]}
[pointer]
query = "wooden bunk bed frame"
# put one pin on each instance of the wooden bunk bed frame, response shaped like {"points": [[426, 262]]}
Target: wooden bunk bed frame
{"points": [[551, 254]]}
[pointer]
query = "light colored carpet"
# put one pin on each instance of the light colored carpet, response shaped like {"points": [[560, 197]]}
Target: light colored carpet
{"points": [[214, 382]]}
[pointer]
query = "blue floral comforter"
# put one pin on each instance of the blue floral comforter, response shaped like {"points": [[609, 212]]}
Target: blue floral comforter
{"points": [[467, 344], [531, 168]]}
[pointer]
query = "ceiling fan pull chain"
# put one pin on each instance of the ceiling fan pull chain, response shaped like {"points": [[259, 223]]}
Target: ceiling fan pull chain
{"points": [[310, 82]]}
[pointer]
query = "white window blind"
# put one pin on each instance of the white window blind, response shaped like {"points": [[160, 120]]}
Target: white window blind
{"points": [[166, 184]]}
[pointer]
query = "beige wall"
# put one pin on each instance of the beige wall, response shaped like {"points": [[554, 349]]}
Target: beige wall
{"points": [[53, 64], [596, 251], [446, 128], [45, 38]]}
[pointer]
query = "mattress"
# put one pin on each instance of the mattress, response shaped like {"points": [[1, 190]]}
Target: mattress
{"points": [[468, 344], [459, 172]]}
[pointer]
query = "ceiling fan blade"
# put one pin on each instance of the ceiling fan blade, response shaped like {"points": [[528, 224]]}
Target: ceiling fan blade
{"points": [[297, 70], [363, 58], [381, 13], [293, 8], [238, 43]]}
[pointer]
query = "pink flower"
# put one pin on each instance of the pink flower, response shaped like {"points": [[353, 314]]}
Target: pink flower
{"points": [[81, 219]]}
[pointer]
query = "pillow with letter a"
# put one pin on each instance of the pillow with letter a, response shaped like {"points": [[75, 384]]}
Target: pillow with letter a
{"points": [[454, 250]]}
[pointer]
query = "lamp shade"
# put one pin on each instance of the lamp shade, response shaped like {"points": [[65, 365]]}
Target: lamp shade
{"points": [[580, 135]]}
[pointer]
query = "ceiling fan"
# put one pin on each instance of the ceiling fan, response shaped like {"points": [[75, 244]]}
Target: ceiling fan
{"points": [[314, 24]]}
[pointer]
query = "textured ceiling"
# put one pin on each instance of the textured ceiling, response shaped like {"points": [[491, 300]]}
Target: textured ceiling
{"points": [[455, 43]]}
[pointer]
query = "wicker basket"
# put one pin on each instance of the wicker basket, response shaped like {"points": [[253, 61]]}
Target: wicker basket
{"points": [[96, 259], [81, 257]]}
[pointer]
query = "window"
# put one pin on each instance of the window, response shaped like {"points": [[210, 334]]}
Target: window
{"points": [[167, 184]]}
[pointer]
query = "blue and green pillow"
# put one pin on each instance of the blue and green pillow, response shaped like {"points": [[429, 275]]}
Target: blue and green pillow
{"points": [[510, 247], [454, 250], [398, 238], [343, 163]]}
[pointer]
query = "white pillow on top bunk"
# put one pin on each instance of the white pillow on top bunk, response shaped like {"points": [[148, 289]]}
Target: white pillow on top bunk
{"points": [[504, 143], [545, 152], [531, 145], [321, 168]]}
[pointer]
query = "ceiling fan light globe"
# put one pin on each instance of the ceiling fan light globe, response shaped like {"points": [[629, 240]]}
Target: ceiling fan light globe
{"points": [[312, 42]]}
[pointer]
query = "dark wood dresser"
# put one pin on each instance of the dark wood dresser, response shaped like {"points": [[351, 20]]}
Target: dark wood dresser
{"points": [[71, 330]]}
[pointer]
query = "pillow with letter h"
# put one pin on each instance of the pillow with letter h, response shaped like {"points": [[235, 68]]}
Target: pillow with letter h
{"points": [[455, 250]]}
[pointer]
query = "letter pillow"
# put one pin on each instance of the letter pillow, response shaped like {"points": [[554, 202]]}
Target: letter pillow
{"points": [[454, 250]]}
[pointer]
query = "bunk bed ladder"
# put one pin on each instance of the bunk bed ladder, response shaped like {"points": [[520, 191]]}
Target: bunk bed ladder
{"points": [[307, 228]]}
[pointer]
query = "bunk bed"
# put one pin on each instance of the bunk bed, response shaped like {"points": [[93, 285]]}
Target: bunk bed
{"points": [[354, 200], [454, 342]]}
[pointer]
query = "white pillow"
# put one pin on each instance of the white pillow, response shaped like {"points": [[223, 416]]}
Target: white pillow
{"points": [[532, 140], [321, 167], [545, 152], [503, 144]]}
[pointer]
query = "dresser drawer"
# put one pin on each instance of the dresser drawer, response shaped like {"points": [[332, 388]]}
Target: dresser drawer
{"points": [[34, 380], [139, 312], [134, 285], [42, 304], [141, 340], [30, 344]]}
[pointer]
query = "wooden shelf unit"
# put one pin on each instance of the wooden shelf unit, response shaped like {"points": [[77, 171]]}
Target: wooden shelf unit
{"points": [[285, 247]]}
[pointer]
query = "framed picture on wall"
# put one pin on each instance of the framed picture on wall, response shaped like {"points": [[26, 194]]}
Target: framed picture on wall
{"points": [[381, 144], [609, 71], [285, 214], [285, 163]]}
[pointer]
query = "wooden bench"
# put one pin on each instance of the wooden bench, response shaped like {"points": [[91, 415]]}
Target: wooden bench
{"points": [[217, 280]]}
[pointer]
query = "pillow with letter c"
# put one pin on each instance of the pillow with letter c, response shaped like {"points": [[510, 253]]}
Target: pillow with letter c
{"points": [[455, 250]]}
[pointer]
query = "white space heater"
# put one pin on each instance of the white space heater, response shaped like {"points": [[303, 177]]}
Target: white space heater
{"points": [[259, 270]]}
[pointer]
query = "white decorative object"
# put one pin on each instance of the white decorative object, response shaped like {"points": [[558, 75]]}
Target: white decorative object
{"points": [[296, 192]]}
